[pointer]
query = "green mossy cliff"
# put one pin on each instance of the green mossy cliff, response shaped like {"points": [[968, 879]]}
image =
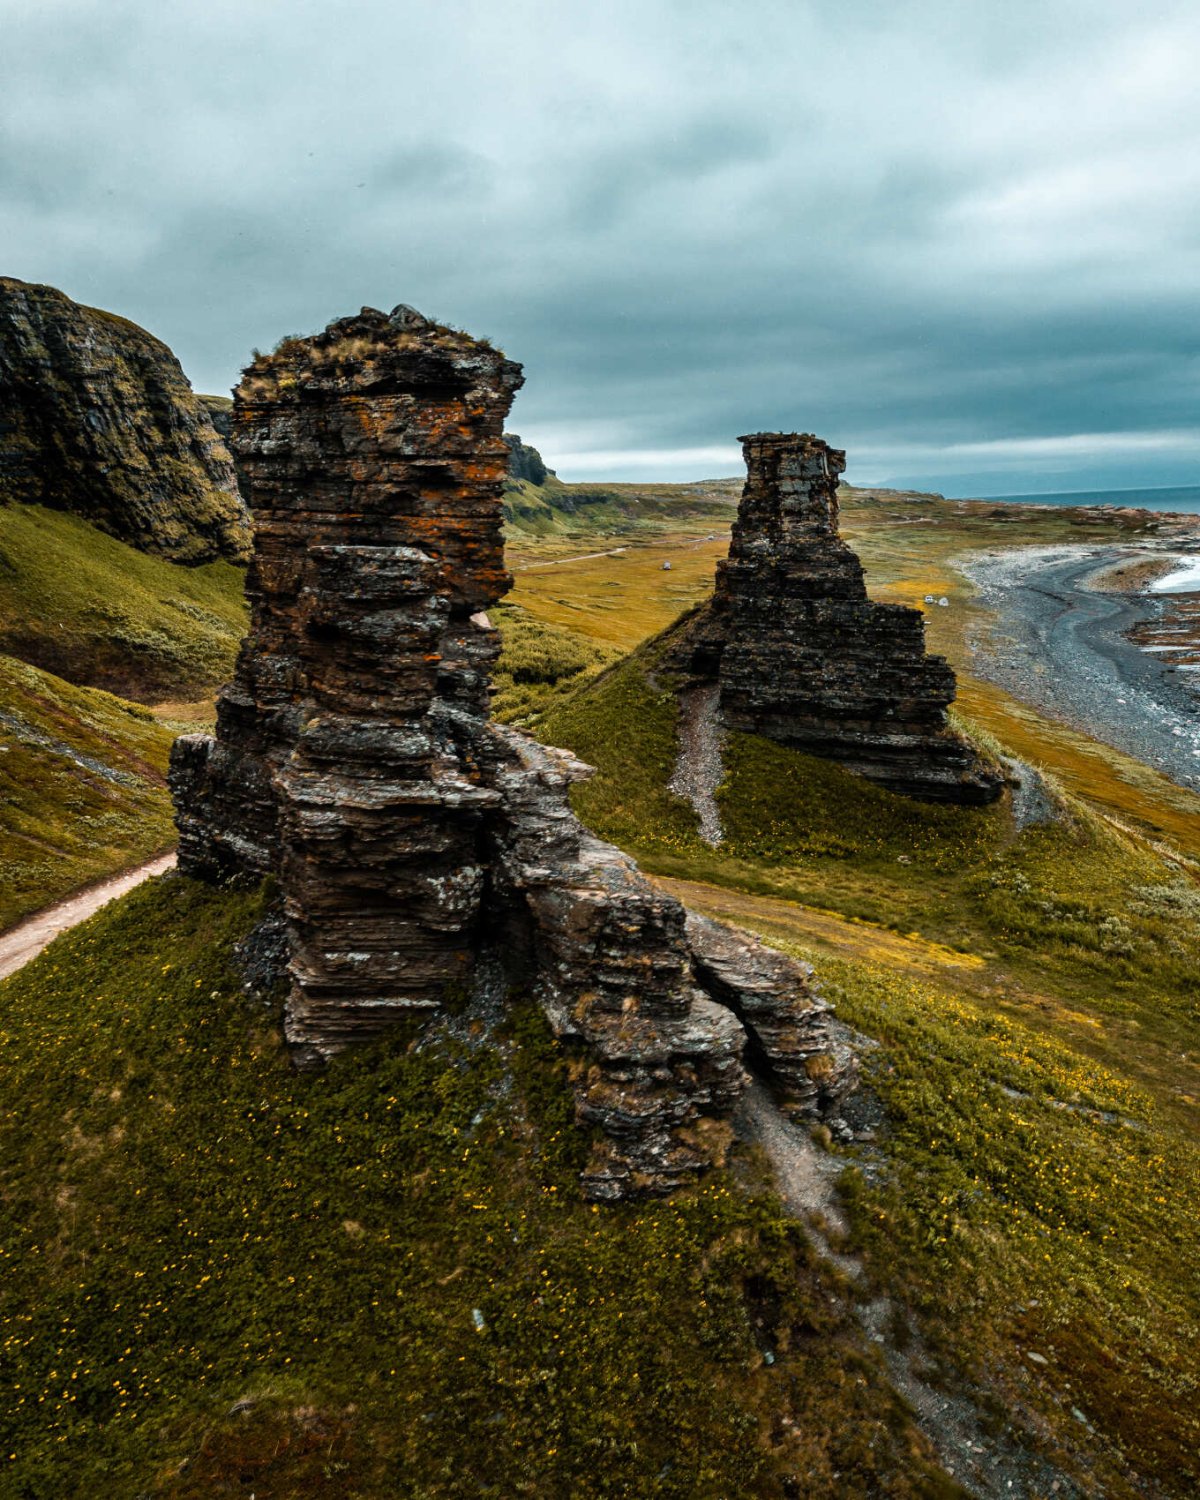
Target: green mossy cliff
{"points": [[98, 418]]}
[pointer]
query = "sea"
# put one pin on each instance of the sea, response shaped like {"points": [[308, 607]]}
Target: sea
{"points": [[1183, 497]]}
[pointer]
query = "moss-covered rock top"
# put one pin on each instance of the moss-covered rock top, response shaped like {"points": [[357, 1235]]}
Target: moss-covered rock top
{"points": [[373, 353], [98, 418]]}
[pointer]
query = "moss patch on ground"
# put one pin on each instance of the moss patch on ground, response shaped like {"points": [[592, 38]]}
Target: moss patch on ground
{"points": [[380, 1280], [1039, 1216], [97, 612], [82, 788]]}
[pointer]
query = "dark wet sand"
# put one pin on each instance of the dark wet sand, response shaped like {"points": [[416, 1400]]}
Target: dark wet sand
{"points": [[1060, 645]]}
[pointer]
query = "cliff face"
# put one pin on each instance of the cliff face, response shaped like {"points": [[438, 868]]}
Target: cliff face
{"points": [[429, 859], [804, 657], [97, 418], [525, 462]]}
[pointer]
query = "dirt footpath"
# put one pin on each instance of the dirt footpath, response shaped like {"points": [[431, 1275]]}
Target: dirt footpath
{"points": [[27, 939]]}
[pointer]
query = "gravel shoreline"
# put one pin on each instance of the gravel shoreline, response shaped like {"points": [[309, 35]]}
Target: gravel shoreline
{"points": [[1059, 643]]}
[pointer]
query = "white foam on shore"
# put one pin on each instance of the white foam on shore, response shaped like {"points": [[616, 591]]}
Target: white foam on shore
{"points": [[1182, 580]]}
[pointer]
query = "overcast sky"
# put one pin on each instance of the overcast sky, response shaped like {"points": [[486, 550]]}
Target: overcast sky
{"points": [[961, 240]]}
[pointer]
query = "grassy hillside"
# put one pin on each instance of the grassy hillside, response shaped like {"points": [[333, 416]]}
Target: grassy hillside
{"points": [[556, 509], [909, 544], [540, 664], [82, 790], [224, 1278], [1040, 1070], [95, 611]]}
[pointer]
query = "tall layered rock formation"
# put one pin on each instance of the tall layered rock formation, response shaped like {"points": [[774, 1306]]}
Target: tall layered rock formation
{"points": [[804, 657], [426, 856], [97, 418]]}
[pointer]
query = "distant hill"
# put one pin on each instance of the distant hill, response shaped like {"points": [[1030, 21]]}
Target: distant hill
{"points": [[97, 418], [538, 503]]}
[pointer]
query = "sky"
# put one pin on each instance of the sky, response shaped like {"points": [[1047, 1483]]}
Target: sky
{"points": [[961, 241]]}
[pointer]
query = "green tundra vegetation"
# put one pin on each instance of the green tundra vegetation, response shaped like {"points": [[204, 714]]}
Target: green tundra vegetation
{"points": [[1040, 1074], [95, 611], [82, 787], [540, 664], [554, 509], [220, 1277]]}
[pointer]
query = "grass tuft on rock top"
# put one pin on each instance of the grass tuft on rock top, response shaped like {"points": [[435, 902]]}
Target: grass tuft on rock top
{"points": [[380, 1280], [77, 602], [82, 788]]}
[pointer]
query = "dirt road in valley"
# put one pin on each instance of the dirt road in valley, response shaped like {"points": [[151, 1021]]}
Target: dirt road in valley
{"points": [[27, 939]]}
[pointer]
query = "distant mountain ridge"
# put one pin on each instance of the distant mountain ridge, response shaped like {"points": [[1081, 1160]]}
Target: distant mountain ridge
{"points": [[97, 418]]}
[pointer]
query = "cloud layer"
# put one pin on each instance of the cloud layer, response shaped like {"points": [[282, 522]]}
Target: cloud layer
{"points": [[962, 242]]}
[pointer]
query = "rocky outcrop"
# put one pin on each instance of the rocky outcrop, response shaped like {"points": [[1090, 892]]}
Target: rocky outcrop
{"points": [[422, 850], [804, 657], [525, 462], [97, 418]]}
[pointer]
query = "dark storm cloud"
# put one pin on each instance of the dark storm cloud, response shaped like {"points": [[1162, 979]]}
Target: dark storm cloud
{"points": [[962, 241]]}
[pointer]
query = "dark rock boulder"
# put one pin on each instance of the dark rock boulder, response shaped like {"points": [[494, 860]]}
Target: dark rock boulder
{"points": [[97, 418]]}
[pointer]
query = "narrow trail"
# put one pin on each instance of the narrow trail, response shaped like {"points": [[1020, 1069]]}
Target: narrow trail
{"points": [[699, 770], [990, 1464], [557, 562], [27, 939]]}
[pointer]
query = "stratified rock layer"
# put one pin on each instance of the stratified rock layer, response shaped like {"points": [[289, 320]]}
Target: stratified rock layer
{"points": [[805, 658], [97, 418], [421, 849]]}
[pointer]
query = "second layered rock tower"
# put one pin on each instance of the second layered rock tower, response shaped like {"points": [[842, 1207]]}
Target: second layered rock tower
{"points": [[804, 657]]}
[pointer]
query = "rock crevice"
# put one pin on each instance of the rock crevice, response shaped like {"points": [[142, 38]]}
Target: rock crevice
{"points": [[416, 844]]}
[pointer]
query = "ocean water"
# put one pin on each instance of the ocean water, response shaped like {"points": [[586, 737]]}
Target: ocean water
{"points": [[1184, 497]]}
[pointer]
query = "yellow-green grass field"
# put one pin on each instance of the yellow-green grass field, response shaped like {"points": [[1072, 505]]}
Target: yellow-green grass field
{"points": [[908, 544], [221, 1277], [225, 1275], [1037, 995], [99, 613]]}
